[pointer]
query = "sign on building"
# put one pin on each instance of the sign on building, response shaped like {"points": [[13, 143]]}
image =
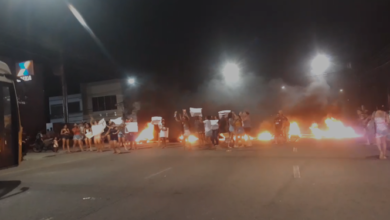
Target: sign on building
{"points": [[25, 70]]}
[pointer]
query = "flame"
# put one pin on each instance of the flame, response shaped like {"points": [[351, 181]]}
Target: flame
{"points": [[191, 139], [223, 138], [336, 129], [294, 130], [265, 136], [246, 137], [146, 134]]}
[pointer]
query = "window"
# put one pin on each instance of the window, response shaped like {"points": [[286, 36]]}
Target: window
{"points": [[104, 103], [74, 107], [56, 110]]}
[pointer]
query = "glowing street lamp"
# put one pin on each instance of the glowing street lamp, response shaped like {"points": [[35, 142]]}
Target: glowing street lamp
{"points": [[131, 81], [231, 72], [320, 64], [341, 90], [283, 87]]}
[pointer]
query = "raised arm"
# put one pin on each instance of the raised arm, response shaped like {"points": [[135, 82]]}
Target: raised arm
{"points": [[176, 118]]}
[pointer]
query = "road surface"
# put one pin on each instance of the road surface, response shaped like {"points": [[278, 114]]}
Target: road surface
{"points": [[305, 180]]}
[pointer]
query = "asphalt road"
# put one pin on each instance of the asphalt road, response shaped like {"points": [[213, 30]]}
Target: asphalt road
{"points": [[305, 180]]}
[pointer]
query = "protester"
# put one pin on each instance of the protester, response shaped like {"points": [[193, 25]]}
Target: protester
{"points": [[246, 123], [215, 132], [238, 129], [185, 122], [200, 129], [364, 118], [77, 138], [88, 136], [121, 136], [231, 130], [131, 137], [55, 144], [65, 135], [208, 130], [280, 124], [113, 133], [82, 132], [163, 138], [97, 138], [381, 122]]}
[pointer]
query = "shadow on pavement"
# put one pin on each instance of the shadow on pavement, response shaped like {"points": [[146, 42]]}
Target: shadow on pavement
{"points": [[7, 187]]}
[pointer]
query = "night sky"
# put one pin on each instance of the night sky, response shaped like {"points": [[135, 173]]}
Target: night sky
{"points": [[186, 42]]}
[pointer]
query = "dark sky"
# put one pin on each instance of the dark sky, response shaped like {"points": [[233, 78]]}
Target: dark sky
{"points": [[186, 42]]}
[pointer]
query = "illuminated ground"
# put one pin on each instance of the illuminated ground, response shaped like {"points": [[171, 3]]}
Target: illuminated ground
{"points": [[307, 180]]}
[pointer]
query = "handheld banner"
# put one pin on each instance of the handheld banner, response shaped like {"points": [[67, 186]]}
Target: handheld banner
{"points": [[156, 120], [97, 129], [214, 124], [102, 123], [117, 121], [195, 112], [131, 127], [224, 113]]}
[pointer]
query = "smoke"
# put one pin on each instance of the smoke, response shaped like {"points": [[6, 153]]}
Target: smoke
{"points": [[261, 98]]}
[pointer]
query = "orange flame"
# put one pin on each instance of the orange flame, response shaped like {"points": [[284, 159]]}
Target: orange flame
{"points": [[336, 129], [191, 139], [265, 136], [294, 130], [146, 134]]}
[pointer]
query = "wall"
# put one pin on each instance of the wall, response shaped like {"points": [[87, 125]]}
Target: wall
{"points": [[99, 89]]}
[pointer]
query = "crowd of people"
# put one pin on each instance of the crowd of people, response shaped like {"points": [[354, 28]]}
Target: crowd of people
{"points": [[81, 136], [231, 125], [376, 124]]}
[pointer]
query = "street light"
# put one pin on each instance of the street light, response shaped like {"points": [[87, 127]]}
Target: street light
{"points": [[341, 90], [283, 87], [320, 64], [231, 72], [131, 81]]}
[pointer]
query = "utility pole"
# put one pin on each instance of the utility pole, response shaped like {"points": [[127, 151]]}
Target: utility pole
{"points": [[64, 90]]}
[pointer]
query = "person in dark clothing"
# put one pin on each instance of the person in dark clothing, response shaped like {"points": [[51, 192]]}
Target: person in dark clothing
{"points": [[280, 122], [199, 126]]}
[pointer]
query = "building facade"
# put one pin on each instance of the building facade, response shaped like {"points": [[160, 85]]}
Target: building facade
{"points": [[102, 99], [75, 109]]}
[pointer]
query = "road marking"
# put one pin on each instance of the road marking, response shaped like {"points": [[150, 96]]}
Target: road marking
{"points": [[296, 172], [295, 149], [155, 174]]}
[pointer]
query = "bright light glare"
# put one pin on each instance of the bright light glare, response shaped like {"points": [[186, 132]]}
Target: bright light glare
{"points": [[283, 87], [77, 15], [320, 64], [231, 72], [341, 90], [131, 81]]}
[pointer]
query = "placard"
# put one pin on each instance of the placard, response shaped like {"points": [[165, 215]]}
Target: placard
{"points": [[224, 112], [102, 122], [164, 133], [97, 129], [89, 135], [131, 127], [117, 121], [214, 124], [195, 112], [156, 120]]}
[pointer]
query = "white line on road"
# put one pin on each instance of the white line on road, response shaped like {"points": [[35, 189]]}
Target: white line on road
{"points": [[296, 172], [155, 174]]}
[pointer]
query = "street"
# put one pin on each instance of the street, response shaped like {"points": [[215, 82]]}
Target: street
{"points": [[310, 179]]}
